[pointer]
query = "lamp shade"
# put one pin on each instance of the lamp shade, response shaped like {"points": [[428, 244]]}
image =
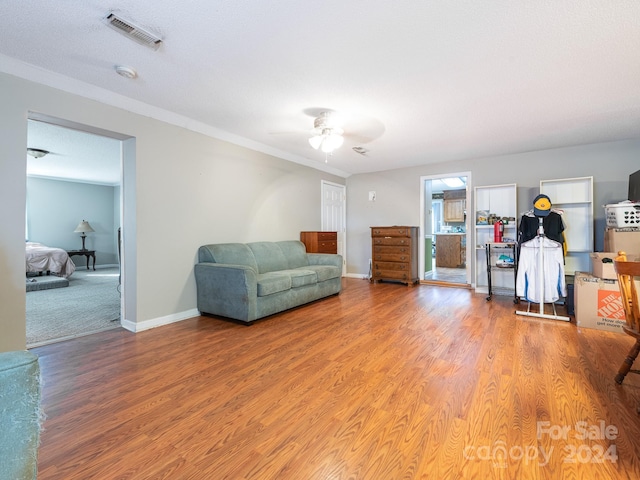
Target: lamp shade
{"points": [[83, 227]]}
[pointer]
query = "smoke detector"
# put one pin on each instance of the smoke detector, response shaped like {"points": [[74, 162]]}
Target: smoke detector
{"points": [[133, 31]]}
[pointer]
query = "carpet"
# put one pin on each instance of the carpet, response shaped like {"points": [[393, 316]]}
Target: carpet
{"points": [[90, 304], [46, 282]]}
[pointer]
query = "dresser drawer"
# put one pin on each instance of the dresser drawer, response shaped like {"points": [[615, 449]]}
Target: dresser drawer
{"points": [[327, 236], [391, 266], [390, 232], [392, 275], [392, 257], [391, 241], [327, 246], [394, 249]]}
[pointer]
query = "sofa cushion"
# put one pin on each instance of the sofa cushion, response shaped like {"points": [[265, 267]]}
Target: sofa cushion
{"points": [[273, 282], [325, 272], [269, 256], [301, 277], [295, 252], [229, 253]]}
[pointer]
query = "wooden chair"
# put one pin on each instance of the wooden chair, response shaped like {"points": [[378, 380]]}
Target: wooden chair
{"points": [[626, 272]]}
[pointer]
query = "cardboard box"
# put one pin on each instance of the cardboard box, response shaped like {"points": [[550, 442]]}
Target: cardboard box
{"points": [[603, 270], [622, 239], [598, 303]]}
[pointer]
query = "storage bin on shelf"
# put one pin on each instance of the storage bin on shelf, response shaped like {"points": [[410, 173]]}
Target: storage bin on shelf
{"points": [[623, 214]]}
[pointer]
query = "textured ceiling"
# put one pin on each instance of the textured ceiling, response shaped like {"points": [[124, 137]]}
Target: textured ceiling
{"points": [[417, 81]]}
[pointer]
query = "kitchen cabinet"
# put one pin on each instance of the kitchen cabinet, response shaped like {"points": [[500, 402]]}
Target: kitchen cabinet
{"points": [[454, 210], [454, 205], [450, 250]]}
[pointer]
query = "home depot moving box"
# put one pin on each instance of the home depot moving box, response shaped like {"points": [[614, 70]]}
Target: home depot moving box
{"points": [[598, 303], [622, 239]]}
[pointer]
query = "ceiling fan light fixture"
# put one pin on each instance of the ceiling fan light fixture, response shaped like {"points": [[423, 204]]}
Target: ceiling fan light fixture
{"points": [[315, 141], [332, 142], [325, 136], [327, 141]]}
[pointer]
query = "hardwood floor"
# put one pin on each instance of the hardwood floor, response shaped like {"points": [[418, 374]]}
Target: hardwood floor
{"points": [[381, 382]]}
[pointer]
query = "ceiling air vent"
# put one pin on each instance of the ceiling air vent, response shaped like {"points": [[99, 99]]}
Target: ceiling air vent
{"points": [[133, 31]]}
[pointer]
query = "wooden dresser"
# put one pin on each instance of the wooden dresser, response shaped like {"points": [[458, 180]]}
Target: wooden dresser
{"points": [[320, 242], [394, 254]]}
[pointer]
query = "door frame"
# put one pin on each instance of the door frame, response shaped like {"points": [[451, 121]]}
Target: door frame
{"points": [[467, 225], [128, 292]]}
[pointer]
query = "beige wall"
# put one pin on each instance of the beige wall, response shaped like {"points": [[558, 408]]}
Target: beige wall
{"points": [[190, 189]]}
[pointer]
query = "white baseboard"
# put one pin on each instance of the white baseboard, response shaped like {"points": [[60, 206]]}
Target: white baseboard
{"points": [[159, 322], [361, 276]]}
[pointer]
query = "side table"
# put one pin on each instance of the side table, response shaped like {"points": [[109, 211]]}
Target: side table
{"points": [[86, 253]]}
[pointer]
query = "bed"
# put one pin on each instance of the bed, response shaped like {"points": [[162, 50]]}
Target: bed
{"points": [[40, 258]]}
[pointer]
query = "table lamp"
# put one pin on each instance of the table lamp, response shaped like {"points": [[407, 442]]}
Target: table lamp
{"points": [[83, 228]]}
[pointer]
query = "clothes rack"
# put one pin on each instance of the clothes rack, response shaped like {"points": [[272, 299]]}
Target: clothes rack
{"points": [[541, 283]]}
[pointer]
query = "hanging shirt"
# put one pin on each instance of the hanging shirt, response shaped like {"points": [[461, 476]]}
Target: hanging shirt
{"points": [[528, 280]]}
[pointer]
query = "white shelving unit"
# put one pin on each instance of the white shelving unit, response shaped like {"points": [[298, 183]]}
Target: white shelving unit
{"points": [[574, 196], [500, 200]]}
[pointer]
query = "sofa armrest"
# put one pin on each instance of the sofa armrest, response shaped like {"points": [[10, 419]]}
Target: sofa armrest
{"points": [[325, 259], [227, 290], [20, 414]]}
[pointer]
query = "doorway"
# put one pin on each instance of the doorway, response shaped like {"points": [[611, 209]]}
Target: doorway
{"points": [[71, 194], [444, 250]]}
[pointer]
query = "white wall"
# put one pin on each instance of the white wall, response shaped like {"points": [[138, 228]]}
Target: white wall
{"points": [[398, 191], [190, 189]]}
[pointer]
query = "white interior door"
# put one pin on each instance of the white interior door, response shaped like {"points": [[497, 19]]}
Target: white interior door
{"points": [[334, 215]]}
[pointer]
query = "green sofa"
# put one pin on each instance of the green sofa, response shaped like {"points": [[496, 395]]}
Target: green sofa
{"points": [[248, 281], [20, 415]]}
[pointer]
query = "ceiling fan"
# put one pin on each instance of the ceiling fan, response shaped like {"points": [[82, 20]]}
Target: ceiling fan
{"points": [[331, 129]]}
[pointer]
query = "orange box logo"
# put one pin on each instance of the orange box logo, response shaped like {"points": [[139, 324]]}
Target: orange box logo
{"points": [[610, 304]]}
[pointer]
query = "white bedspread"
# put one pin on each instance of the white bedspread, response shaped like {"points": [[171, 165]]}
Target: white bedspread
{"points": [[41, 258]]}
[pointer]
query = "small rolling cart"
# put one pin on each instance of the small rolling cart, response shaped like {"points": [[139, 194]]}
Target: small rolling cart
{"points": [[502, 256]]}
